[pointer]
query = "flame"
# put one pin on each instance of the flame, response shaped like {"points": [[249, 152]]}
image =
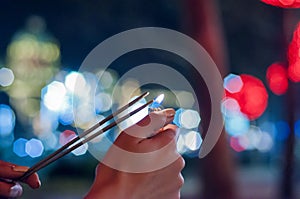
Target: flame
{"points": [[159, 99]]}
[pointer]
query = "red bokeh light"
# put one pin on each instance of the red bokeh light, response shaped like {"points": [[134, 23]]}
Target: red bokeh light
{"points": [[277, 78], [283, 3], [235, 144], [294, 56], [252, 98], [66, 137]]}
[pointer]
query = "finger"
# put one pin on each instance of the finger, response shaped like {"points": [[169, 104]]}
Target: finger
{"points": [[165, 136], [12, 171], [10, 190], [150, 125], [33, 181]]}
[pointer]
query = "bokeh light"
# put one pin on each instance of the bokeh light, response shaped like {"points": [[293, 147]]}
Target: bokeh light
{"points": [[265, 143], [66, 137], [189, 119], [236, 124], [75, 82], [277, 78], [7, 120], [81, 150], [192, 140], [19, 147], [294, 56], [34, 148], [229, 106], [282, 130], [297, 128], [53, 95], [283, 3], [233, 83], [252, 98], [103, 102], [6, 77], [235, 144], [188, 142]]}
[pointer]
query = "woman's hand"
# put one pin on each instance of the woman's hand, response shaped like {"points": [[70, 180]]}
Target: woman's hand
{"points": [[9, 172], [125, 178]]}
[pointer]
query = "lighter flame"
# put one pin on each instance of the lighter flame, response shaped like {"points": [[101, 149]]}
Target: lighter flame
{"points": [[159, 99]]}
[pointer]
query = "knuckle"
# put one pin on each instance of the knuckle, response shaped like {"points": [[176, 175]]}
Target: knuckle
{"points": [[181, 162], [180, 181]]}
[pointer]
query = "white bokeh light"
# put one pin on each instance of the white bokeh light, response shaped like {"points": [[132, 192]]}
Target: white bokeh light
{"points": [[190, 119], [6, 77], [233, 83], [75, 82], [54, 97], [103, 102]]}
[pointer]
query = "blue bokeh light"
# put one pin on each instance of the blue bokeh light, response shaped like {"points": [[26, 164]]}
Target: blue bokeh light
{"points": [[19, 147], [237, 124], [7, 120], [34, 148], [297, 128], [282, 130]]}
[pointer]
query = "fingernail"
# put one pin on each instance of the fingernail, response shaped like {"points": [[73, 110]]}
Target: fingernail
{"points": [[20, 168], [39, 183], [169, 112], [16, 191]]}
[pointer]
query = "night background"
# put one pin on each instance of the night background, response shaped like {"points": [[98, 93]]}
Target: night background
{"points": [[43, 43]]}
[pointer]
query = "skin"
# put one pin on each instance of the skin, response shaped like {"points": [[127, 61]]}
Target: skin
{"points": [[160, 183], [150, 134], [10, 171]]}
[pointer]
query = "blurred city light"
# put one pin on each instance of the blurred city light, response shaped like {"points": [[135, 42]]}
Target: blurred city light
{"points": [[252, 98], [188, 142], [283, 3], [192, 140], [19, 147], [53, 95], [81, 150], [75, 82], [282, 130], [6, 77], [277, 78], [189, 119], [236, 124], [297, 128], [235, 144], [103, 102], [106, 78], [66, 137], [34, 148], [7, 120], [229, 106], [265, 143], [294, 56], [49, 140], [233, 83]]}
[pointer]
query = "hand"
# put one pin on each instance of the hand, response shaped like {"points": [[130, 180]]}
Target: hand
{"points": [[9, 172], [120, 177]]}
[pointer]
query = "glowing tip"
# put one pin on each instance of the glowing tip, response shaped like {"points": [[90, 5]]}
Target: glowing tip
{"points": [[159, 99]]}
